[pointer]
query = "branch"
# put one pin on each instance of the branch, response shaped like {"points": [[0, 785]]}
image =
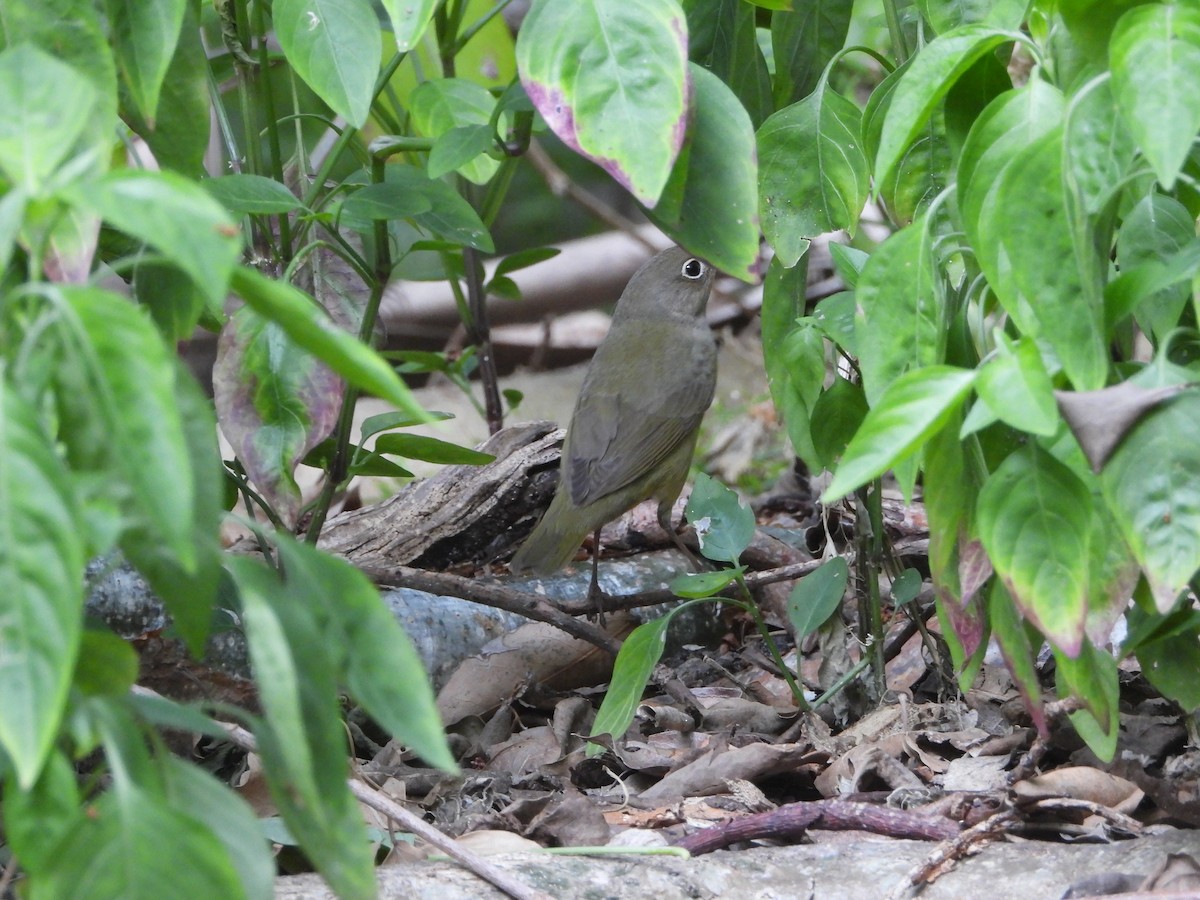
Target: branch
{"points": [[407, 820]]}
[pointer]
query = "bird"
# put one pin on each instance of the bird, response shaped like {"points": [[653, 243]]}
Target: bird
{"points": [[634, 428]]}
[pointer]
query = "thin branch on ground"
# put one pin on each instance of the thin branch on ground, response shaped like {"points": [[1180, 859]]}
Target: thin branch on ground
{"points": [[499, 596], [954, 849], [790, 822], [407, 820]]}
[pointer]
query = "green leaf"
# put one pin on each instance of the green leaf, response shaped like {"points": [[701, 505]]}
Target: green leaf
{"points": [[906, 587], [1035, 520], [144, 34], [73, 33], [189, 594], [1155, 58], [300, 737], [132, 400], [47, 106], [383, 201], [718, 178], [804, 39], [848, 261], [926, 82], [1100, 149], [834, 316], [522, 259], [430, 449], [158, 710], [912, 409], [817, 596], [41, 567], [275, 401], [1017, 651], [639, 654], [445, 104], [1007, 125], [1092, 677], [409, 20], [1123, 294], [373, 425], [1016, 387], [171, 297], [380, 666], [227, 816], [178, 134], [173, 215], [308, 325], [1170, 664], [840, 410], [253, 194], [610, 79], [107, 664], [722, 38], [134, 845], [699, 585], [943, 15], [334, 46], [1152, 486], [449, 217], [794, 354], [1157, 228], [723, 526], [921, 174], [1047, 274], [814, 176], [463, 149], [902, 309], [37, 817]]}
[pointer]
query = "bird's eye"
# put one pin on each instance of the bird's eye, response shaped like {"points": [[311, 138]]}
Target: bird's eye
{"points": [[693, 269]]}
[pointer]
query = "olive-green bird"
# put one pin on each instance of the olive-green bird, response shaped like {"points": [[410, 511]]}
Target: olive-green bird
{"points": [[634, 428]]}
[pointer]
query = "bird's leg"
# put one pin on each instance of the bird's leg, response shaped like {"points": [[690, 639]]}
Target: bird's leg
{"points": [[595, 594], [664, 521]]}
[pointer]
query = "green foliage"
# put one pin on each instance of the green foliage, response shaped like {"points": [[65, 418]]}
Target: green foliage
{"points": [[108, 443], [816, 596], [1041, 223], [995, 305]]}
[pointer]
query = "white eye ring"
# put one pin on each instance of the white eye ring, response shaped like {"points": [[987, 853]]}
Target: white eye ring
{"points": [[693, 269]]}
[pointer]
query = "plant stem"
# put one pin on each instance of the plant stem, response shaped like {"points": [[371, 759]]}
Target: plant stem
{"points": [[481, 336], [899, 44], [340, 464], [348, 134], [760, 623], [262, 83], [870, 566], [471, 30], [841, 683]]}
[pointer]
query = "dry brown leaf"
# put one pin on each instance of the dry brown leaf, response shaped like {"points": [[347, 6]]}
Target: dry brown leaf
{"points": [[536, 652], [1082, 783], [709, 773]]}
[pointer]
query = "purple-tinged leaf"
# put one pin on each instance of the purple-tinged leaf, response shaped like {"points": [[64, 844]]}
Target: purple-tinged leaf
{"points": [[275, 401]]}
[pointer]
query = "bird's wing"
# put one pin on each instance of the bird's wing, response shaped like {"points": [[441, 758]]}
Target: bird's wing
{"points": [[619, 435]]}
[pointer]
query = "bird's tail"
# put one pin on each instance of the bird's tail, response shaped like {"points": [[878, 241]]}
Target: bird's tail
{"points": [[550, 546]]}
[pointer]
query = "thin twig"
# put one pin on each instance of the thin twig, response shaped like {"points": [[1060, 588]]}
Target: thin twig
{"points": [[407, 820], [564, 613], [791, 821], [480, 333], [955, 848], [561, 185], [1072, 804], [1029, 762], [523, 603]]}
